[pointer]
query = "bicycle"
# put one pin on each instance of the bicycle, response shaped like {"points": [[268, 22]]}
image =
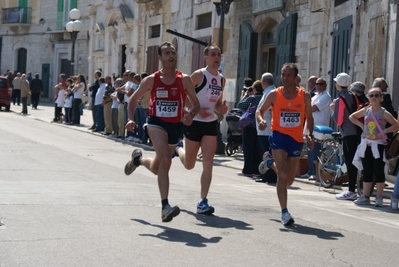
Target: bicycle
{"points": [[331, 160]]}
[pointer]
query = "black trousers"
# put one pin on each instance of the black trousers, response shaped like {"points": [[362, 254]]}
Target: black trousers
{"points": [[373, 167], [350, 144], [76, 110], [16, 96], [94, 113], [35, 99]]}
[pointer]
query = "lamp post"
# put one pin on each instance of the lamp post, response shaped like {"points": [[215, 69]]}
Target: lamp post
{"points": [[73, 27], [222, 8]]}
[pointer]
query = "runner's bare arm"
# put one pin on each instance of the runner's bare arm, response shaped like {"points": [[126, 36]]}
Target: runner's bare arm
{"points": [[192, 96], [145, 85], [260, 112], [221, 105]]}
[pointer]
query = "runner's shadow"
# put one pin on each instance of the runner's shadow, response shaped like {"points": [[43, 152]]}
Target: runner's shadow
{"points": [[306, 230], [219, 222], [175, 235]]}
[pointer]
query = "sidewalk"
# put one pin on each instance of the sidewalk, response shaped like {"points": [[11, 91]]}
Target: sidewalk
{"points": [[45, 113]]}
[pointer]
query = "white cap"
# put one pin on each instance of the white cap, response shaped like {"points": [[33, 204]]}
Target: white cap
{"points": [[343, 79]]}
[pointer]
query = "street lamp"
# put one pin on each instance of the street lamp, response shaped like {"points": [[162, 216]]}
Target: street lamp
{"points": [[222, 8], [73, 27]]}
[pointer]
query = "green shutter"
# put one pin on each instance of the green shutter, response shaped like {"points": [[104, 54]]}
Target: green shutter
{"points": [[60, 14], [73, 4], [24, 5]]}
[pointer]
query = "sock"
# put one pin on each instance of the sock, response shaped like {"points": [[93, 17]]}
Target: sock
{"points": [[136, 161], [165, 202], [366, 197], [269, 163], [284, 211]]}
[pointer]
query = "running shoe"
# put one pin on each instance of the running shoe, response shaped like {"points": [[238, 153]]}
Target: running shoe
{"points": [[346, 195], [130, 166], [179, 144], [362, 200], [169, 212], [286, 219], [378, 202], [266, 163], [204, 208]]}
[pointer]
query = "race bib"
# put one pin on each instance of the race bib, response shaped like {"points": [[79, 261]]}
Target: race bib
{"points": [[290, 119], [167, 109], [214, 93]]}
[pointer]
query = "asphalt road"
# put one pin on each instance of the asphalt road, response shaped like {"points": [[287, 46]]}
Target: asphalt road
{"points": [[65, 201]]}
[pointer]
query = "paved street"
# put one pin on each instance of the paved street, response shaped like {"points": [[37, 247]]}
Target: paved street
{"points": [[65, 201]]}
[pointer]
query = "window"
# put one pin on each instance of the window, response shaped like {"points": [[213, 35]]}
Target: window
{"points": [[204, 21], [155, 31], [338, 2], [63, 8]]}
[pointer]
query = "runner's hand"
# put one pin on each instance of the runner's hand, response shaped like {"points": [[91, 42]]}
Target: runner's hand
{"points": [[130, 126], [262, 125], [187, 118], [224, 108]]}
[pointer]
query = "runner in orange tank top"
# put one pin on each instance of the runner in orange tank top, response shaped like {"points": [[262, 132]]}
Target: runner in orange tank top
{"points": [[290, 105]]}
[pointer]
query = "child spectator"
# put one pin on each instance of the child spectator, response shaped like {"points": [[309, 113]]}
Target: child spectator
{"points": [[68, 98], [60, 102]]}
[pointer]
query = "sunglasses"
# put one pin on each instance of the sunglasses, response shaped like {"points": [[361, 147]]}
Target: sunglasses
{"points": [[374, 95], [320, 83]]}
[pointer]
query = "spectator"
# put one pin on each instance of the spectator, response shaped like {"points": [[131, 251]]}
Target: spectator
{"points": [[93, 91], [139, 126], [358, 88], [247, 84], [60, 101], [107, 103], [29, 76], [312, 85], [68, 98], [395, 195], [25, 93], [267, 82], [36, 87], [371, 148], [115, 107], [121, 109], [16, 92], [350, 137], [387, 101], [57, 88], [98, 102], [252, 156], [321, 113], [78, 90]]}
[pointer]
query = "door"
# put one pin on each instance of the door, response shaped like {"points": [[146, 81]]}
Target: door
{"points": [[21, 60], [198, 60], [285, 49], [66, 67], [340, 50], [246, 56], [376, 50], [45, 77]]}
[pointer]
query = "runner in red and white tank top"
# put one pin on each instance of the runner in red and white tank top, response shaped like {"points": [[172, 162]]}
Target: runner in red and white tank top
{"points": [[168, 89]]}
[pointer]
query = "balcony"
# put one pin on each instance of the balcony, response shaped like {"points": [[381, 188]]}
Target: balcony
{"points": [[16, 17]]}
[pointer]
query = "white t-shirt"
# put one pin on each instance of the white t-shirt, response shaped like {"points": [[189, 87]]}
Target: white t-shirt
{"points": [[68, 101], [128, 87], [78, 94], [100, 94], [60, 99], [322, 116], [268, 114], [115, 103]]}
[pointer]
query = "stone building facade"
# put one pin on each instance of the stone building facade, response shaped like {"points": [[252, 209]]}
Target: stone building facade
{"points": [[324, 37]]}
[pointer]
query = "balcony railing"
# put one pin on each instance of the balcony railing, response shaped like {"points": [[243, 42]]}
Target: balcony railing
{"points": [[16, 15]]}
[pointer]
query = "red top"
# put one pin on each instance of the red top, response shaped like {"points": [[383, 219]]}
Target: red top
{"points": [[167, 101]]}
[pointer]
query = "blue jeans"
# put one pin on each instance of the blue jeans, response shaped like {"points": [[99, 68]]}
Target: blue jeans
{"points": [[67, 115], [100, 125], [396, 188], [139, 125], [312, 156]]}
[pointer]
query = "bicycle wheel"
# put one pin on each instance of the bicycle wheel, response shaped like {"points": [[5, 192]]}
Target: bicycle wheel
{"points": [[327, 165]]}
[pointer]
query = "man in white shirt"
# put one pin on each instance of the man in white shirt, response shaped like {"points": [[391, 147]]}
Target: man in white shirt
{"points": [[321, 116], [98, 102], [267, 82]]}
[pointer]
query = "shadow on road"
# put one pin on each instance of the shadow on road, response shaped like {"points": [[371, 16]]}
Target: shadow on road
{"points": [[306, 230], [175, 235], [219, 222]]}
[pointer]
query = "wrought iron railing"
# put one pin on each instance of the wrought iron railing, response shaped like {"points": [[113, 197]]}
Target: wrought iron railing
{"points": [[16, 15]]}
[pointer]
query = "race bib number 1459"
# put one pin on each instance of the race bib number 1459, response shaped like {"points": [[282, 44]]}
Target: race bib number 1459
{"points": [[167, 108]]}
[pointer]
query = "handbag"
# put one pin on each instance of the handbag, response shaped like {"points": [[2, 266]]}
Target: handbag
{"points": [[392, 148], [248, 118]]}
